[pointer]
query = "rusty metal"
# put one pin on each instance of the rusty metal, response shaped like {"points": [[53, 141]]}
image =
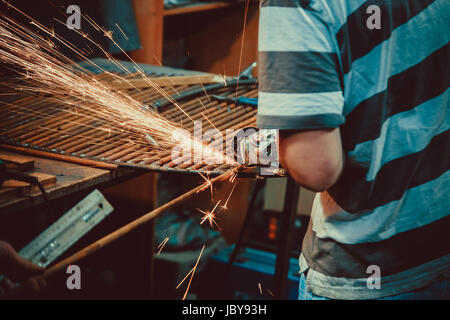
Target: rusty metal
{"points": [[33, 123]]}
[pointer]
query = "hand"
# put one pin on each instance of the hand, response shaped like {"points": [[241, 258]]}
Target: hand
{"points": [[17, 269]]}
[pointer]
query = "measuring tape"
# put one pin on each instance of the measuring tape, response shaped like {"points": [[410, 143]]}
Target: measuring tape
{"points": [[67, 230]]}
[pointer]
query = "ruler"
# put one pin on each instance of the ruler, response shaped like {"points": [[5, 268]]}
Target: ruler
{"points": [[67, 230]]}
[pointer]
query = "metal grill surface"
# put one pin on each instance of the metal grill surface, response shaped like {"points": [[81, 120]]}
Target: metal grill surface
{"points": [[36, 122]]}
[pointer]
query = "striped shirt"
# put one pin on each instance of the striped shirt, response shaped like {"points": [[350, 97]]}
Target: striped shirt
{"points": [[321, 66]]}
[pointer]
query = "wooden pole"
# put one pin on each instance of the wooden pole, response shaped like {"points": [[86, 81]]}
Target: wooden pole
{"points": [[129, 227], [60, 157]]}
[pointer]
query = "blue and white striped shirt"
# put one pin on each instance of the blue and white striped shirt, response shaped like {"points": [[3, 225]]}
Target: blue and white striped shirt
{"points": [[387, 89]]}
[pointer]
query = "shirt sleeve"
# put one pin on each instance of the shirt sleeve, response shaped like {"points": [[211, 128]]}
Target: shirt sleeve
{"points": [[298, 68]]}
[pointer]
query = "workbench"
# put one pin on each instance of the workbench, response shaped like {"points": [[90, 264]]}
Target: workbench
{"points": [[69, 178], [24, 214]]}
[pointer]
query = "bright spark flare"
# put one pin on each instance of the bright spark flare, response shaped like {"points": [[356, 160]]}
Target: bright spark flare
{"points": [[209, 215]]}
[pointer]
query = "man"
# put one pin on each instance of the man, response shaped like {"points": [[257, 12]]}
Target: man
{"points": [[363, 111], [16, 268]]}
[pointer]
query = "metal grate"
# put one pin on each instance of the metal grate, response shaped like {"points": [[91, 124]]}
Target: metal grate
{"points": [[38, 123]]}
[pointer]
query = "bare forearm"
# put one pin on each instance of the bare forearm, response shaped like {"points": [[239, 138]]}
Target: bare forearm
{"points": [[313, 158]]}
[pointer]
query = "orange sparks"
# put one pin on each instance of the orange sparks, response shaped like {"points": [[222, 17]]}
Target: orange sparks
{"points": [[49, 72], [224, 77], [157, 60], [242, 42], [202, 104], [233, 177], [121, 31], [207, 184], [209, 215], [162, 244], [209, 120], [224, 207], [206, 93], [192, 272]]}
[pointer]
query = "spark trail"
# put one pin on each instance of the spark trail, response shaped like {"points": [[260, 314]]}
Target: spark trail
{"points": [[45, 70]]}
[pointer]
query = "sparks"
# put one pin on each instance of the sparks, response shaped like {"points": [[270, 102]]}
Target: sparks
{"points": [[121, 31], [49, 72], [209, 215], [191, 273], [162, 244], [224, 206], [208, 184]]}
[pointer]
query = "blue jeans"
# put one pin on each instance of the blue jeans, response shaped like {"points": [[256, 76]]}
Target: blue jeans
{"points": [[439, 290]]}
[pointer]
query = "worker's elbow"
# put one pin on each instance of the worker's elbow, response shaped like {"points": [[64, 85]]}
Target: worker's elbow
{"points": [[317, 176], [313, 158], [322, 179]]}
